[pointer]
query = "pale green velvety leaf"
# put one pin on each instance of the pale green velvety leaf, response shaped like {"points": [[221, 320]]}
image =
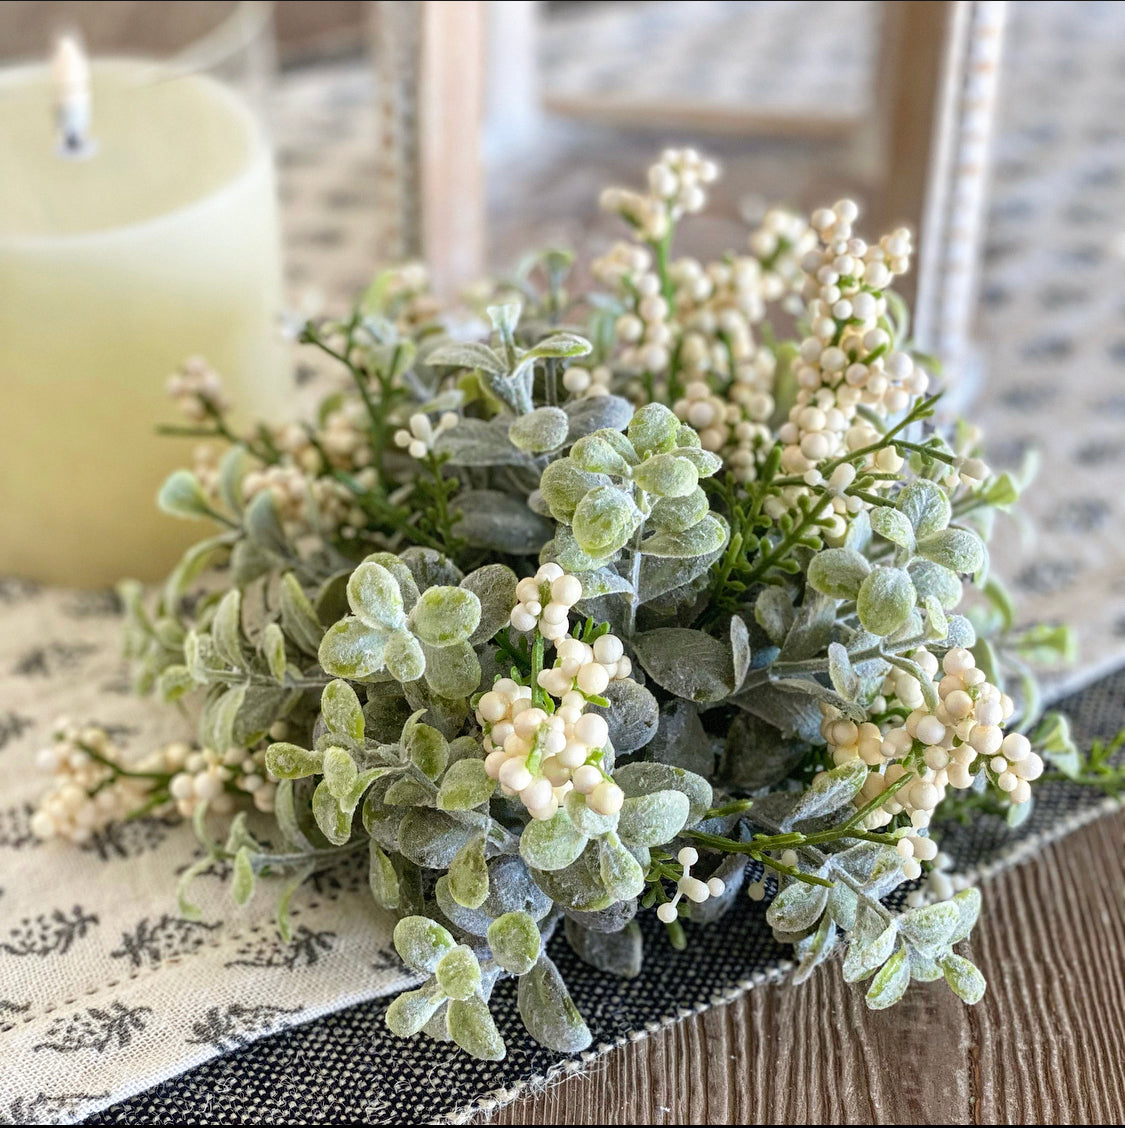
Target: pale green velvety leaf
{"points": [[564, 484], [653, 429], [964, 978], [445, 615], [181, 495], [691, 664], [298, 619], [468, 875], [890, 984], [677, 514], [382, 879], [959, 550], [494, 585], [411, 1011], [404, 657], [335, 823], [273, 647], [926, 506], [465, 785], [705, 537], [705, 462], [543, 429], [551, 844], [893, 526], [226, 628], [653, 819], [601, 453], [515, 942], [472, 1028], [548, 1011], [341, 710], [458, 973], [666, 475], [886, 598], [838, 572], [797, 907], [930, 927], [422, 943], [864, 956], [431, 838], [374, 597], [351, 650], [452, 671], [968, 903], [931, 579], [242, 883], [640, 778], [288, 761], [339, 772], [621, 873], [604, 521]]}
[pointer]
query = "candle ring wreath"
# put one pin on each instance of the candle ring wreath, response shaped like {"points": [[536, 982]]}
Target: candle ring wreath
{"points": [[569, 607]]}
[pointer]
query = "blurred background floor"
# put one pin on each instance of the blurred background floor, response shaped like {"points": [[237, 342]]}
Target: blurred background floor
{"points": [[1051, 317]]}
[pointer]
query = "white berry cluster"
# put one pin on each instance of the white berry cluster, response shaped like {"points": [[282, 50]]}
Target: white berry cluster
{"points": [[585, 383], [693, 888], [676, 187], [941, 883], [780, 243], [645, 333], [541, 756], [406, 296], [207, 775], [86, 795], [585, 667], [305, 502], [967, 469], [545, 600], [419, 439], [940, 749], [197, 390]]}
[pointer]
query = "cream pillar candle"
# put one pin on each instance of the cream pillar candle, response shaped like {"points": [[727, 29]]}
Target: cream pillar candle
{"points": [[160, 244]]}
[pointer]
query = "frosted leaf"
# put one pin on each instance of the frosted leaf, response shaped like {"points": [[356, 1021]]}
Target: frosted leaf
{"points": [[597, 413], [930, 927], [797, 907], [515, 942], [335, 823], [678, 514], [551, 844], [497, 520], [430, 568], [666, 475], [468, 875], [341, 710], [838, 572], [653, 429], [891, 982], [639, 778], [540, 430], [458, 972], [422, 943], [181, 495], [288, 761], [893, 526], [632, 714], [351, 650], [465, 785], [548, 1011], [604, 521], [886, 598], [705, 462], [621, 873], [411, 1011], [564, 484], [691, 664], [473, 1029], [374, 597], [445, 615], [586, 820], [599, 453], [705, 537], [959, 550], [404, 657], [426, 747], [653, 819], [934, 580], [925, 505], [339, 772], [431, 838], [452, 672], [618, 953], [494, 585], [964, 978]]}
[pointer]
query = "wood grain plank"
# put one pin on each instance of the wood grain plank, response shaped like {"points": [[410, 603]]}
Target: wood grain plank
{"points": [[1047, 1044]]}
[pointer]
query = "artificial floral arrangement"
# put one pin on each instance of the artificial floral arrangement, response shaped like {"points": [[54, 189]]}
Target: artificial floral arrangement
{"points": [[613, 602]]}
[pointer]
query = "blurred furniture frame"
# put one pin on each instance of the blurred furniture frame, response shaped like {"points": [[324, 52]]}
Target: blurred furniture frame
{"points": [[937, 80]]}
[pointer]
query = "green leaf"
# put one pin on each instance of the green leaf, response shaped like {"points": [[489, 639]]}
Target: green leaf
{"points": [[705, 537], [844, 679], [444, 616], [466, 354], [515, 942], [891, 982], [465, 785], [797, 907], [242, 883], [667, 475], [273, 647], [288, 761], [838, 572], [411, 1011], [472, 1028], [691, 664], [815, 949], [404, 656], [173, 682], [959, 550], [653, 819], [468, 875], [604, 520], [425, 746], [335, 824], [226, 629], [382, 879], [641, 778], [351, 650], [339, 772], [678, 514], [968, 903], [964, 978], [621, 873], [893, 526], [181, 495], [264, 526], [540, 430], [422, 943], [548, 1011], [341, 710], [925, 505], [653, 429], [561, 345], [885, 600], [375, 598], [298, 619], [930, 927], [452, 672], [551, 844], [458, 972], [830, 791]]}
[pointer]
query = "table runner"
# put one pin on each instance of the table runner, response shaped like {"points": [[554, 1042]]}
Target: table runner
{"points": [[95, 968]]}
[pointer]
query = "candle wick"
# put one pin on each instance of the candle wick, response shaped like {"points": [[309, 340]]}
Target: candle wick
{"points": [[71, 73]]}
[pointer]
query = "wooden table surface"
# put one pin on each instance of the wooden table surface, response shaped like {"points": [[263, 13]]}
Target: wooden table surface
{"points": [[1046, 1045]]}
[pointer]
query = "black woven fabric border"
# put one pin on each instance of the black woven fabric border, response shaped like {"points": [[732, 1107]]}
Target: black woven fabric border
{"points": [[348, 1067]]}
